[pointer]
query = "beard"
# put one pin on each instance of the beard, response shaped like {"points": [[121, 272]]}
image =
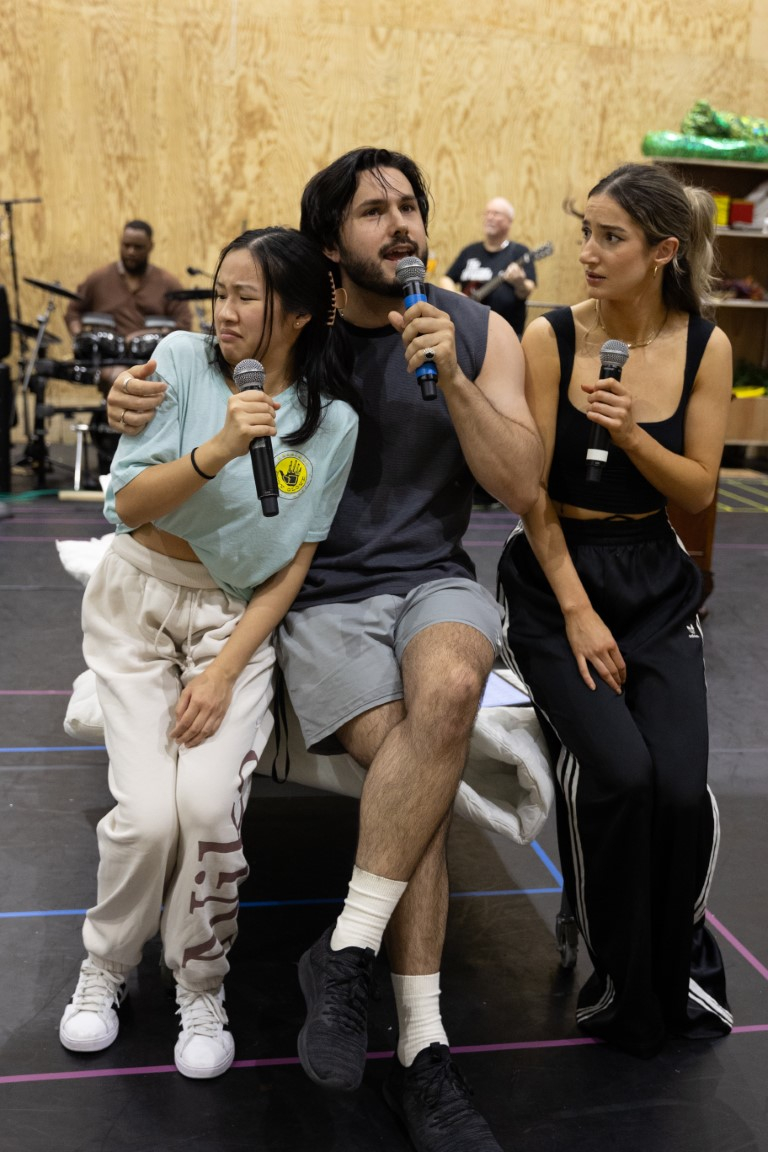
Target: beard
{"points": [[135, 267], [369, 274]]}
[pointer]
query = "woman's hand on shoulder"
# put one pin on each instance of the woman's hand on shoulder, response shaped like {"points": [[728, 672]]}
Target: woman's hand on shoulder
{"points": [[593, 643]]}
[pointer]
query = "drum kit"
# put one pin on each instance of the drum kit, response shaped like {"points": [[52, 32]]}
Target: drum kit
{"points": [[98, 347]]}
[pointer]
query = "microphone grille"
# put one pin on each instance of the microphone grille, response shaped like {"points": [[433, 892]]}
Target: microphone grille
{"points": [[408, 269], [249, 374], [614, 354]]}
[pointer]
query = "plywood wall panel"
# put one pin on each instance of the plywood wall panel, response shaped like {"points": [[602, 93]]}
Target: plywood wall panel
{"points": [[203, 117]]}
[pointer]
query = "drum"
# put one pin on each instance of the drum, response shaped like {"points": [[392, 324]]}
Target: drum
{"points": [[99, 339], [70, 370], [140, 345]]}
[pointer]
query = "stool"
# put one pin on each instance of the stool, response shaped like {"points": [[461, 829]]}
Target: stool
{"points": [[81, 453], [566, 935]]}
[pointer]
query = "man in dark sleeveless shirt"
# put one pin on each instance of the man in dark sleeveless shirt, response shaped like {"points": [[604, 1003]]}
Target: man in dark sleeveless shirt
{"points": [[390, 641]]}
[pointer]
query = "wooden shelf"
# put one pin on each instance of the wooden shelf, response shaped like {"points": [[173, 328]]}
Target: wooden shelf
{"points": [[743, 233], [736, 303], [745, 322], [692, 161], [748, 421]]}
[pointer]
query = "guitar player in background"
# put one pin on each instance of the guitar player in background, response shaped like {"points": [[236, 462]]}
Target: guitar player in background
{"points": [[488, 259], [493, 256]]}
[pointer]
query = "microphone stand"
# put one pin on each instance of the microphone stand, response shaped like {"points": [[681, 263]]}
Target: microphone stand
{"points": [[31, 363], [8, 205]]}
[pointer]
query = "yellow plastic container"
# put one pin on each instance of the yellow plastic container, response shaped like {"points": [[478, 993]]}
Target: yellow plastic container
{"points": [[723, 205]]}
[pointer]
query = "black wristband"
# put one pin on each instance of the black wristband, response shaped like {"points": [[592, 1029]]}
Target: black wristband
{"points": [[199, 471]]}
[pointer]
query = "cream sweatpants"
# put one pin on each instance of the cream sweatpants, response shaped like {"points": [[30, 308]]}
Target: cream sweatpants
{"points": [[171, 852]]}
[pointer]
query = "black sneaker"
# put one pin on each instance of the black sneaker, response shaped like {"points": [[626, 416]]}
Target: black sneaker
{"points": [[433, 1102], [334, 1039]]}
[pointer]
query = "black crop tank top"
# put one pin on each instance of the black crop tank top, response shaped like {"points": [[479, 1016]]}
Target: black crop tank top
{"points": [[622, 487]]}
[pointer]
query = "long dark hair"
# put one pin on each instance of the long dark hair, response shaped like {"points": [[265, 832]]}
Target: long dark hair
{"points": [[328, 195], [295, 270], [663, 206]]}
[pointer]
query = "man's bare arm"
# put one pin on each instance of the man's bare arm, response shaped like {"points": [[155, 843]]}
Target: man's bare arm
{"points": [[490, 414]]}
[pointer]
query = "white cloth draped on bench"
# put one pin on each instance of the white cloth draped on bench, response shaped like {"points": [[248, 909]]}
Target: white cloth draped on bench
{"points": [[507, 784]]}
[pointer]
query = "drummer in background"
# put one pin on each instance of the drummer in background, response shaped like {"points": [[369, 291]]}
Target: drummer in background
{"points": [[129, 290]]}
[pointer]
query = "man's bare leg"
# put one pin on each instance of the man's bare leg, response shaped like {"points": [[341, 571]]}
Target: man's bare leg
{"points": [[415, 753], [420, 757], [416, 931], [414, 775]]}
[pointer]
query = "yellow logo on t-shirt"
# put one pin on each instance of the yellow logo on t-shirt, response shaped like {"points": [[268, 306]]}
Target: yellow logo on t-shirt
{"points": [[294, 473]]}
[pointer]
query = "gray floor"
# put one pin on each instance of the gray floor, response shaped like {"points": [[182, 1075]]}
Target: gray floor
{"points": [[508, 1004]]}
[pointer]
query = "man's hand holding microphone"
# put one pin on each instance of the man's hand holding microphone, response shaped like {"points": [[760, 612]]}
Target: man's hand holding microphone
{"points": [[428, 334]]}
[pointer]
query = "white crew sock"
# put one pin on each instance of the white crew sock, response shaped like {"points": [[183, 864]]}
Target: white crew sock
{"points": [[418, 1015], [370, 902]]}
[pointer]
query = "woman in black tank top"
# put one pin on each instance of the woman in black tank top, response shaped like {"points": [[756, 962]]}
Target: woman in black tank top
{"points": [[602, 599]]}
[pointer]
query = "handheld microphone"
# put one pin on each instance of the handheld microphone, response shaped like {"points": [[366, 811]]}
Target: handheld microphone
{"points": [[409, 273], [613, 356], [250, 374]]}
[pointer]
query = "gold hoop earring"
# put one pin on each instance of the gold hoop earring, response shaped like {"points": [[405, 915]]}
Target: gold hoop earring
{"points": [[655, 271]]}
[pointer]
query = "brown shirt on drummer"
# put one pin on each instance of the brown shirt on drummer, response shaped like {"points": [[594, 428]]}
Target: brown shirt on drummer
{"points": [[108, 290]]}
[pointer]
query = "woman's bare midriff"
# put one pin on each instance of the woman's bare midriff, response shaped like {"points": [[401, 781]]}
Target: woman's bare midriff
{"points": [[572, 512], [164, 542]]}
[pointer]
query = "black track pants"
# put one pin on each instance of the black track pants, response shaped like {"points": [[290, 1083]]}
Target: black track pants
{"points": [[637, 824]]}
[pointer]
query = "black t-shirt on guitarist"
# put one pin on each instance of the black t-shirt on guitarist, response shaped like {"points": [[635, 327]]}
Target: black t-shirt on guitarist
{"points": [[475, 266]]}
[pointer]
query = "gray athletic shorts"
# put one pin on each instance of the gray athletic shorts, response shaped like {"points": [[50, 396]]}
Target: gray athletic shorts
{"points": [[340, 660]]}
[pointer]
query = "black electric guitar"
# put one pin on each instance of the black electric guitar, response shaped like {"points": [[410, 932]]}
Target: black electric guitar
{"points": [[478, 290]]}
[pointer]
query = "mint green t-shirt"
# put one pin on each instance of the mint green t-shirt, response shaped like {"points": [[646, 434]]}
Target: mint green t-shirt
{"points": [[223, 522]]}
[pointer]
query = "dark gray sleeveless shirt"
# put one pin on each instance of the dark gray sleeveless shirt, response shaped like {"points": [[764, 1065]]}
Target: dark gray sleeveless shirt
{"points": [[408, 499]]}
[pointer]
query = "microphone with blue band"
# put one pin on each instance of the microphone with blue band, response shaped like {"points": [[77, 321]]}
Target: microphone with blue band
{"points": [[410, 274]]}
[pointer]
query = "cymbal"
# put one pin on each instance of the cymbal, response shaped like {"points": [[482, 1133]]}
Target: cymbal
{"points": [[31, 331], [53, 286], [190, 294]]}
